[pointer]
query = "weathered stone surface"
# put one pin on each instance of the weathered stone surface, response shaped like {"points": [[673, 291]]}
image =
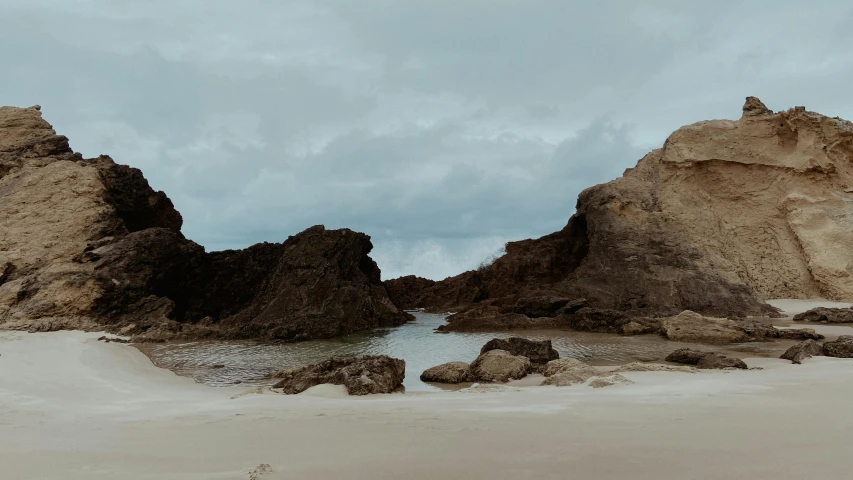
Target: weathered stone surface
{"points": [[537, 351], [540, 306], [609, 380], [360, 375], [725, 213], [686, 355], [689, 326], [801, 351], [484, 317], [654, 367], [499, 366], [826, 315], [715, 361], [569, 366], [87, 243], [451, 372], [840, 348]]}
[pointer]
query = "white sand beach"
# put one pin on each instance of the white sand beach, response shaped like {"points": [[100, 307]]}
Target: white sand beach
{"points": [[75, 408]]}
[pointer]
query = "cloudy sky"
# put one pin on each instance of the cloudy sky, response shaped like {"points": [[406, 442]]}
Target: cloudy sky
{"points": [[441, 128]]}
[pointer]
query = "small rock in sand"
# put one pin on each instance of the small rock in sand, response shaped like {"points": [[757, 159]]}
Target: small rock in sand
{"points": [[499, 366], [451, 372]]}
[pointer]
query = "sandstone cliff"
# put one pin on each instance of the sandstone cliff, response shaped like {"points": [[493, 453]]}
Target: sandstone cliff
{"points": [[725, 214], [86, 243]]}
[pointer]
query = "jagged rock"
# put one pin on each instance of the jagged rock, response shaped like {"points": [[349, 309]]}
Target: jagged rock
{"points": [[726, 213], [484, 317], [537, 351], [826, 315], [451, 372], [654, 367], [798, 353], [686, 355], [715, 361], [499, 366], [689, 326], [840, 348], [360, 375], [87, 243]]}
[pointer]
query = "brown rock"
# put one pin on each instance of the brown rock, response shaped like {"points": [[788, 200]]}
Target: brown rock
{"points": [[840, 348], [484, 317], [689, 326], [725, 213], [686, 355], [715, 361], [609, 380], [798, 353], [569, 366], [826, 315], [537, 351], [654, 367], [499, 366], [360, 375], [451, 372]]}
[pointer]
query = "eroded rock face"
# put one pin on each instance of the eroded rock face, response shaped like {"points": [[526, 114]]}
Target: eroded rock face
{"points": [[798, 353], [451, 372], [360, 375], [726, 213], [87, 243], [689, 326], [705, 360], [840, 348], [499, 366], [826, 315], [537, 351]]}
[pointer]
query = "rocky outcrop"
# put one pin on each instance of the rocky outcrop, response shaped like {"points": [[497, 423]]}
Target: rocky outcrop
{"points": [[689, 326], [826, 315], [566, 372], [87, 243], [840, 348], [499, 366], [705, 360], [537, 351], [451, 372], [360, 375], [801, 351], [726, 213]]}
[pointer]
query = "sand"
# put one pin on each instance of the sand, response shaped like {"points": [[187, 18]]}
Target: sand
{"points": [[75, 408]]}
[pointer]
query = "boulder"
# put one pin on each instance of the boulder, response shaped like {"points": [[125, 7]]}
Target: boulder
{"points": [[687, 356], [801, 351], [451, 372], [485, 317], [538, 351], [654, 367], [567, 371], [840, 348], [360, 375], [689, 326], [826, 315], [540, 306], [609, 380], [499, 366], [716, 361]]}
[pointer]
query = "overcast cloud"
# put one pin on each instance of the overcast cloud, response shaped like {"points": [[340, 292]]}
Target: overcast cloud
{"points": [[441, 128]]}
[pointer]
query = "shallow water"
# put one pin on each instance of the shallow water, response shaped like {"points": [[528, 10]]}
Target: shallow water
{"points": [[417, 343]]}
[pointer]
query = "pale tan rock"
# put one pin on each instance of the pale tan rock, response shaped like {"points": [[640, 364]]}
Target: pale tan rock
{"points": [[653, 367], [499, 366], [609, 380], [689, 326], [567, 365]]}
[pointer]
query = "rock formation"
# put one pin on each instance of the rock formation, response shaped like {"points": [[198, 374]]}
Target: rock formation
{"points": [[87, 243], [537, 351], [802, 351], [826, 315], [360, 375], [451, 372], [499, 366], [725, 214], [842, 347], [704, 360]]}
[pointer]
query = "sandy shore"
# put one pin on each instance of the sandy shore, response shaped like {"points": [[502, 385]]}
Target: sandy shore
{"points": [[75, 408]]}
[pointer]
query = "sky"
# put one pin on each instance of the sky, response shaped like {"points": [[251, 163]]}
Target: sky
{"points": [[443, 129]]}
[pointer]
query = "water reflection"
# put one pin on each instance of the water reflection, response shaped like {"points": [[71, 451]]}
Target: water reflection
{"points": [[222, 363]]}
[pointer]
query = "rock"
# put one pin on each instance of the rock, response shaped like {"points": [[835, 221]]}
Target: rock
{"points": [[826, 315], [360, 375], [499, 366], [686, 355], [654, 367], [537, 351], [484, 317], [715, 361], [451, 372], [567, 371], [88, 244], [840, 348], [798, 353], [635, 328], [540, 306], [689, 326], [725, 213], [106, 339], [609, 380]]}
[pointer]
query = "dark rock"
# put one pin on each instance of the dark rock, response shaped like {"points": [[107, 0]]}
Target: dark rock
{"points": [[485, 317], [106, 339], [537, 351], [499, 366], [715, 361], [687, 356], [798, 353], [840, 348], [541, 306], [826, 315], [360, 375], [451, 372]]}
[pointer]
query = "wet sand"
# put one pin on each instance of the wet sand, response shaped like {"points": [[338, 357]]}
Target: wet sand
{"points": [[75, 408]]}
